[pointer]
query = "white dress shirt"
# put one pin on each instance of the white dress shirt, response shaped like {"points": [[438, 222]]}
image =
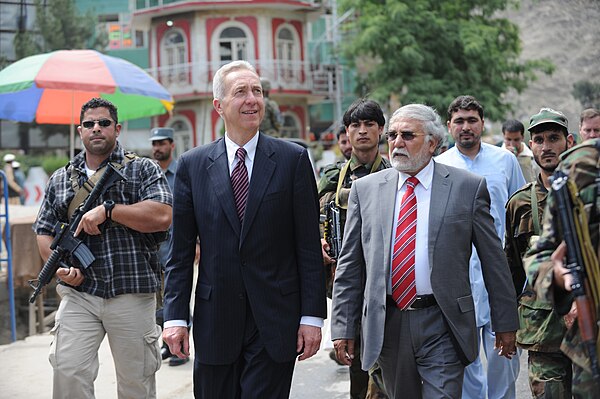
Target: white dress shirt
{"points": [[423, 194]]}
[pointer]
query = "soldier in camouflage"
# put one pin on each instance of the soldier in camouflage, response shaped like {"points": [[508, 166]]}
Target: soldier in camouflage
{"points": [[271, 123], [364, 122], [544, 260], [541, 328]]}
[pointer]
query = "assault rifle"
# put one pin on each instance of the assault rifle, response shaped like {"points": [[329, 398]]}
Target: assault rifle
{"points": [[65, 243], [572, 226], [332, 229]]}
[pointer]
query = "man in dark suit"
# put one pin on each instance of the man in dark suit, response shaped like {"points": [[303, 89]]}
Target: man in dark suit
{"points": [[260, 294], [418, 318]]}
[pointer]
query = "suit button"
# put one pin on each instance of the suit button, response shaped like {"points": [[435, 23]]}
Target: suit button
{"points": [[243, 263], [241, 296]]}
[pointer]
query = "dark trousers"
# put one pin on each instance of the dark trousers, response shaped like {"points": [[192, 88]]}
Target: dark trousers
{"points": [[418, 358], [254, 375]]}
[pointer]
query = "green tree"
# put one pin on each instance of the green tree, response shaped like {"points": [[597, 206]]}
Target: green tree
{"points": [[59, 27], [587, 93], [430, 51]]}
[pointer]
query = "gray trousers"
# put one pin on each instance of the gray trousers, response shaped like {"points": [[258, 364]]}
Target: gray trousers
{"points": [[82, 321], [418, 359]]}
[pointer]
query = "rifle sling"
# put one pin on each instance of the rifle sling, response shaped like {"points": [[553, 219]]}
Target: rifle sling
{"points": [[82, 192], [342, 177], [534, 210]]}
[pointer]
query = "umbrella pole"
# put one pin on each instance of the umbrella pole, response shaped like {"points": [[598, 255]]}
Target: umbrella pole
{"points": [[72, 140], [72, 128]]}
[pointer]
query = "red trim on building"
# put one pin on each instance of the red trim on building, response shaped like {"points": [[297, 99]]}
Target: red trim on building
{"points": [[252, 24], [300, 114], [188, 114], [161, 31], [186, 5], [214, 118]]}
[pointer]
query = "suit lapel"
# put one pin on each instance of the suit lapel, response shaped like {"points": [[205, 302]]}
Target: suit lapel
{"points": [[388, 187], [262, 171], [440, 192], [218, 171]]}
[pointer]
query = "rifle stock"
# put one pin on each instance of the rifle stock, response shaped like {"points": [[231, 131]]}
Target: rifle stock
{"points": [[586, 311], [65, 242]]}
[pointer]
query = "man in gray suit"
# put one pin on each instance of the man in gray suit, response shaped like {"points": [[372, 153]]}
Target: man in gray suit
{"points": [[418, 318]]}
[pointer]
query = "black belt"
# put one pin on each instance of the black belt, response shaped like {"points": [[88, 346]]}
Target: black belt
{"points": [[422, 302]]}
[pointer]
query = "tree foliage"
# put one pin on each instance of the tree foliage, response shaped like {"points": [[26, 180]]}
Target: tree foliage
{"points": [[60, 27], [430, 51], [587, 93]]}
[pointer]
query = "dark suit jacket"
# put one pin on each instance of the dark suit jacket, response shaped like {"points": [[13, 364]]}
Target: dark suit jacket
{"points": [[459, 217], [272, 262]]}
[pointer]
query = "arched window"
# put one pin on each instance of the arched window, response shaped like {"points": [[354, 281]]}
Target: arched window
{"points": [[173, 69], [233, 45], [291, 125], [288, 54], [182, 137]]}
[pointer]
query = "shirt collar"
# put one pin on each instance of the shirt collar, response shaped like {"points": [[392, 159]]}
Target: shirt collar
{"points": [[117, 156], [425, 176], [232, 147]]}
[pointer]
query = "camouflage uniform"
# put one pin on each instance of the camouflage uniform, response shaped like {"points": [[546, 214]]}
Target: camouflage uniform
{"points": [[361, 386], [581, 164], [541, 328], [271, 123]]}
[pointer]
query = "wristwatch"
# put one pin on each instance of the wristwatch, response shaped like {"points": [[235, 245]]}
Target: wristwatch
{"points": [[108, 207]]}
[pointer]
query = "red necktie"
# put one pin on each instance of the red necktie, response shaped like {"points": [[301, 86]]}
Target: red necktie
{"points": [[239, 183], [404, 290]]}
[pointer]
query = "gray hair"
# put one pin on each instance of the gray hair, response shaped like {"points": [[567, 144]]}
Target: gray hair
{"points": [[432, 123], [218, 86]]}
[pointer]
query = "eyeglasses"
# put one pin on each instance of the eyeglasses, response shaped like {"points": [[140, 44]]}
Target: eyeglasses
{"points": [[406, 136], [101, 123]]}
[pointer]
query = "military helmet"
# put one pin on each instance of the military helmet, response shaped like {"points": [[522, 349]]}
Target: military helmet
{"points": [[266, 84]]}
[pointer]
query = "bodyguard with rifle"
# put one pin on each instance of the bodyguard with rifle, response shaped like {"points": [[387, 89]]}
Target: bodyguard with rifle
{"points": [[563, 264], [65, 243], [102, 219]]}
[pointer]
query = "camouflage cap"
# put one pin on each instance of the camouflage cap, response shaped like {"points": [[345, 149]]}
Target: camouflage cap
{"points": [[548, 115]]}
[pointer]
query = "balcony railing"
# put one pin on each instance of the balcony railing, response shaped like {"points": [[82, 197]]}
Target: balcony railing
{"points": [[290, 76], [143, 4]]}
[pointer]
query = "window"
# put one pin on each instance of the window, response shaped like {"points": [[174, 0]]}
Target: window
{"points": [[291, 126], [233, 45], [287, 54], [182, 137], [174, 66]]}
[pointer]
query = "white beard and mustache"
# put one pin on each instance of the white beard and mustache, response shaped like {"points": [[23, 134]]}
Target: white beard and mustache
{"points": [[402, 161]]}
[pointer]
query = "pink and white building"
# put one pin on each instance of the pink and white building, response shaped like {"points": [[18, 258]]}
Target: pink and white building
{"points": [[190, 40]]}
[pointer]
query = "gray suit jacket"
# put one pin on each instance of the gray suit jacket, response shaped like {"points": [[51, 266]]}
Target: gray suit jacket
{"points": [[459, 216]]}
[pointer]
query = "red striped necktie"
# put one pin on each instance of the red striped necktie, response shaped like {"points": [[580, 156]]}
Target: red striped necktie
{"points": [[239, 183], [404, 290]]}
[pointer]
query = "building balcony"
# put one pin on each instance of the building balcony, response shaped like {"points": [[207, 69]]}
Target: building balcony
{"points": [[153, 5], [288, 78]]}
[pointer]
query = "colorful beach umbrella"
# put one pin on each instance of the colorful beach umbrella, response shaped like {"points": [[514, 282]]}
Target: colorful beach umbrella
{"points": [[52, 87]]}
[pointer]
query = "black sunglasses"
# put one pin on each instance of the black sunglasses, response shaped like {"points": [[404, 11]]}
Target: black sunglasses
{"points": [[406, 136], [101, 123]]}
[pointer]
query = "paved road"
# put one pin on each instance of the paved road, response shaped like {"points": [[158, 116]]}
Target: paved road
{"points": [[25, 373]]}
